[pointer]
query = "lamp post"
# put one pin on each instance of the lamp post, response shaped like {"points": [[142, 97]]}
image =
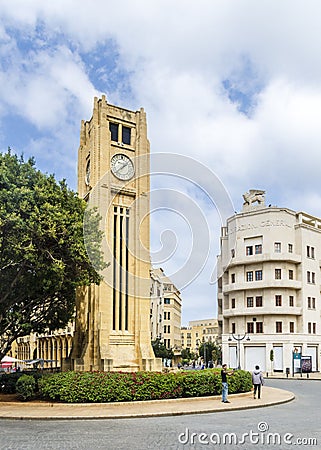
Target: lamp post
{"points": [[239, 338]]}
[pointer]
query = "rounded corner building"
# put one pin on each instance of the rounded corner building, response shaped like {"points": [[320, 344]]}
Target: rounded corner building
{"points": [[269, 287]]}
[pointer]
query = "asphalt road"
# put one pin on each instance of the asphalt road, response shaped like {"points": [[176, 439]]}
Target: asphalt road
{"points": [[293, 425]]}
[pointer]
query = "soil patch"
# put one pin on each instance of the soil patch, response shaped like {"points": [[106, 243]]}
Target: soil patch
{"points": [[9, 398]]}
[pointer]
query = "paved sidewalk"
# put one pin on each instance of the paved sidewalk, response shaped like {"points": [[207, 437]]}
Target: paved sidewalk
{"points": [[297, 376], [35, 410]]}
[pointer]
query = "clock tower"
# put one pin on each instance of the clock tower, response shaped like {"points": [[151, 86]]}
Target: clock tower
{"points": [[112, 329]]}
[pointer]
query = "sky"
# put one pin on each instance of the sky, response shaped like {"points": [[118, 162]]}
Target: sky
{"points": [[233, 86]]}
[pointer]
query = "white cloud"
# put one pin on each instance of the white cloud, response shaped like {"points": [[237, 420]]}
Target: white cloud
{"points": [[175, 57]]}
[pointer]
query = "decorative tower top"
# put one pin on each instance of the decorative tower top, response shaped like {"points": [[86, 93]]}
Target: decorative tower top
{"points": [[254, 195]]}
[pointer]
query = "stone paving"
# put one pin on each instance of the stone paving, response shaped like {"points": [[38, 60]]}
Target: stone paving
{"points": [[34, 410]]}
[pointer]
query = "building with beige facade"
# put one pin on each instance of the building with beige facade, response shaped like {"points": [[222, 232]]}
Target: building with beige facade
{"points": [[165, 311], [50, 350], [112, 326], [197, 332], [269, 287]]}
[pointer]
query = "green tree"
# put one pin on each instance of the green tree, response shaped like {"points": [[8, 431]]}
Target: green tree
{"points": [[161, 351], [42, 253], [186, 354], [212, 351]]}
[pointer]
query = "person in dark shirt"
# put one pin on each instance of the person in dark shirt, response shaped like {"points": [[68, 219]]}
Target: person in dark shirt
{"points": [[224, 374]]}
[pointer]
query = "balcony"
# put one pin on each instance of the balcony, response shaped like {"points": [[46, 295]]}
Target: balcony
{"points": [[263, 311], [262, 284], [265, 257]]}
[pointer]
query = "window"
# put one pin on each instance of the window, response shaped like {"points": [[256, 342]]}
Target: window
{"points": [[249, 276], [291, 327], [113, 128], [311, 302], [233, 303], [250, 327], [233, 327], [233, 253], [233, 278], [290, 274], [249, 250], [291, 300], [290, 248], [165, 327], [310, 277], [309, 327], [258, 275], [259, 327], [165, 313], [258, 249], [249, 302], [168, 315], [167, 301], [278, 274], [278, 327], [314, 328], [277, 247], [126, 135], [278, 300], [168, 328], [258, 301], [310, 252]]}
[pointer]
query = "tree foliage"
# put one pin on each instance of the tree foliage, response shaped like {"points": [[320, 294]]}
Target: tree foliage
{"points": [[186, 354], [42, 254], [213, 351], [161, 351]]}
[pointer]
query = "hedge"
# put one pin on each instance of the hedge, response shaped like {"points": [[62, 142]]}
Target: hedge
{"points": [[103, 387]]}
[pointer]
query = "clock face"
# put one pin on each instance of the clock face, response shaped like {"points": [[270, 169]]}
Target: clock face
{"points": [[122, 166], [87, 175]]}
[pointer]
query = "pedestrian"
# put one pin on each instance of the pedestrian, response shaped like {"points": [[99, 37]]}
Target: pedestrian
{"points": [[258, 381], [224, 374]]}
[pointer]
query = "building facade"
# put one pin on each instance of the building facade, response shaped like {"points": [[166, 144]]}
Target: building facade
{"points": [[165, 311], [198, 332], [112, 327], [52, 348], [269, 287]]}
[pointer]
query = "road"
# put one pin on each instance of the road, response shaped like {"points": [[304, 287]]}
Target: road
{"points": [[274, 427]]}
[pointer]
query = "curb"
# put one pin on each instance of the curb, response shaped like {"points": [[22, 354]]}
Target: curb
{"points": [[139, 409]]}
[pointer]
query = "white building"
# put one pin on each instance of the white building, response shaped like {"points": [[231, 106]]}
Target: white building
{"points": [[165, 311], [269, 287]]}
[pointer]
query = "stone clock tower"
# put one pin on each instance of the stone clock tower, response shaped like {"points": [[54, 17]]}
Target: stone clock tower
{"points": [[112, 330]]}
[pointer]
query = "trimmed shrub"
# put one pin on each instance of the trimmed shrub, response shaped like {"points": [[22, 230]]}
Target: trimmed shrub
{"points": [[25, 387], [102, 387]]}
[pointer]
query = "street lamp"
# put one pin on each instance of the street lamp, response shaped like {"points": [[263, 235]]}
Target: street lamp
{"points": [[239, 338]]}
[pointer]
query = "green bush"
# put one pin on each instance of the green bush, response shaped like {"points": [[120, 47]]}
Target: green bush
{"points": [[8, 382], [25, 387], [102, 387]]}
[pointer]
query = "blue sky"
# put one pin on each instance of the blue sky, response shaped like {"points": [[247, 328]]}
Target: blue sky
{"points": [[234, 85]]}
